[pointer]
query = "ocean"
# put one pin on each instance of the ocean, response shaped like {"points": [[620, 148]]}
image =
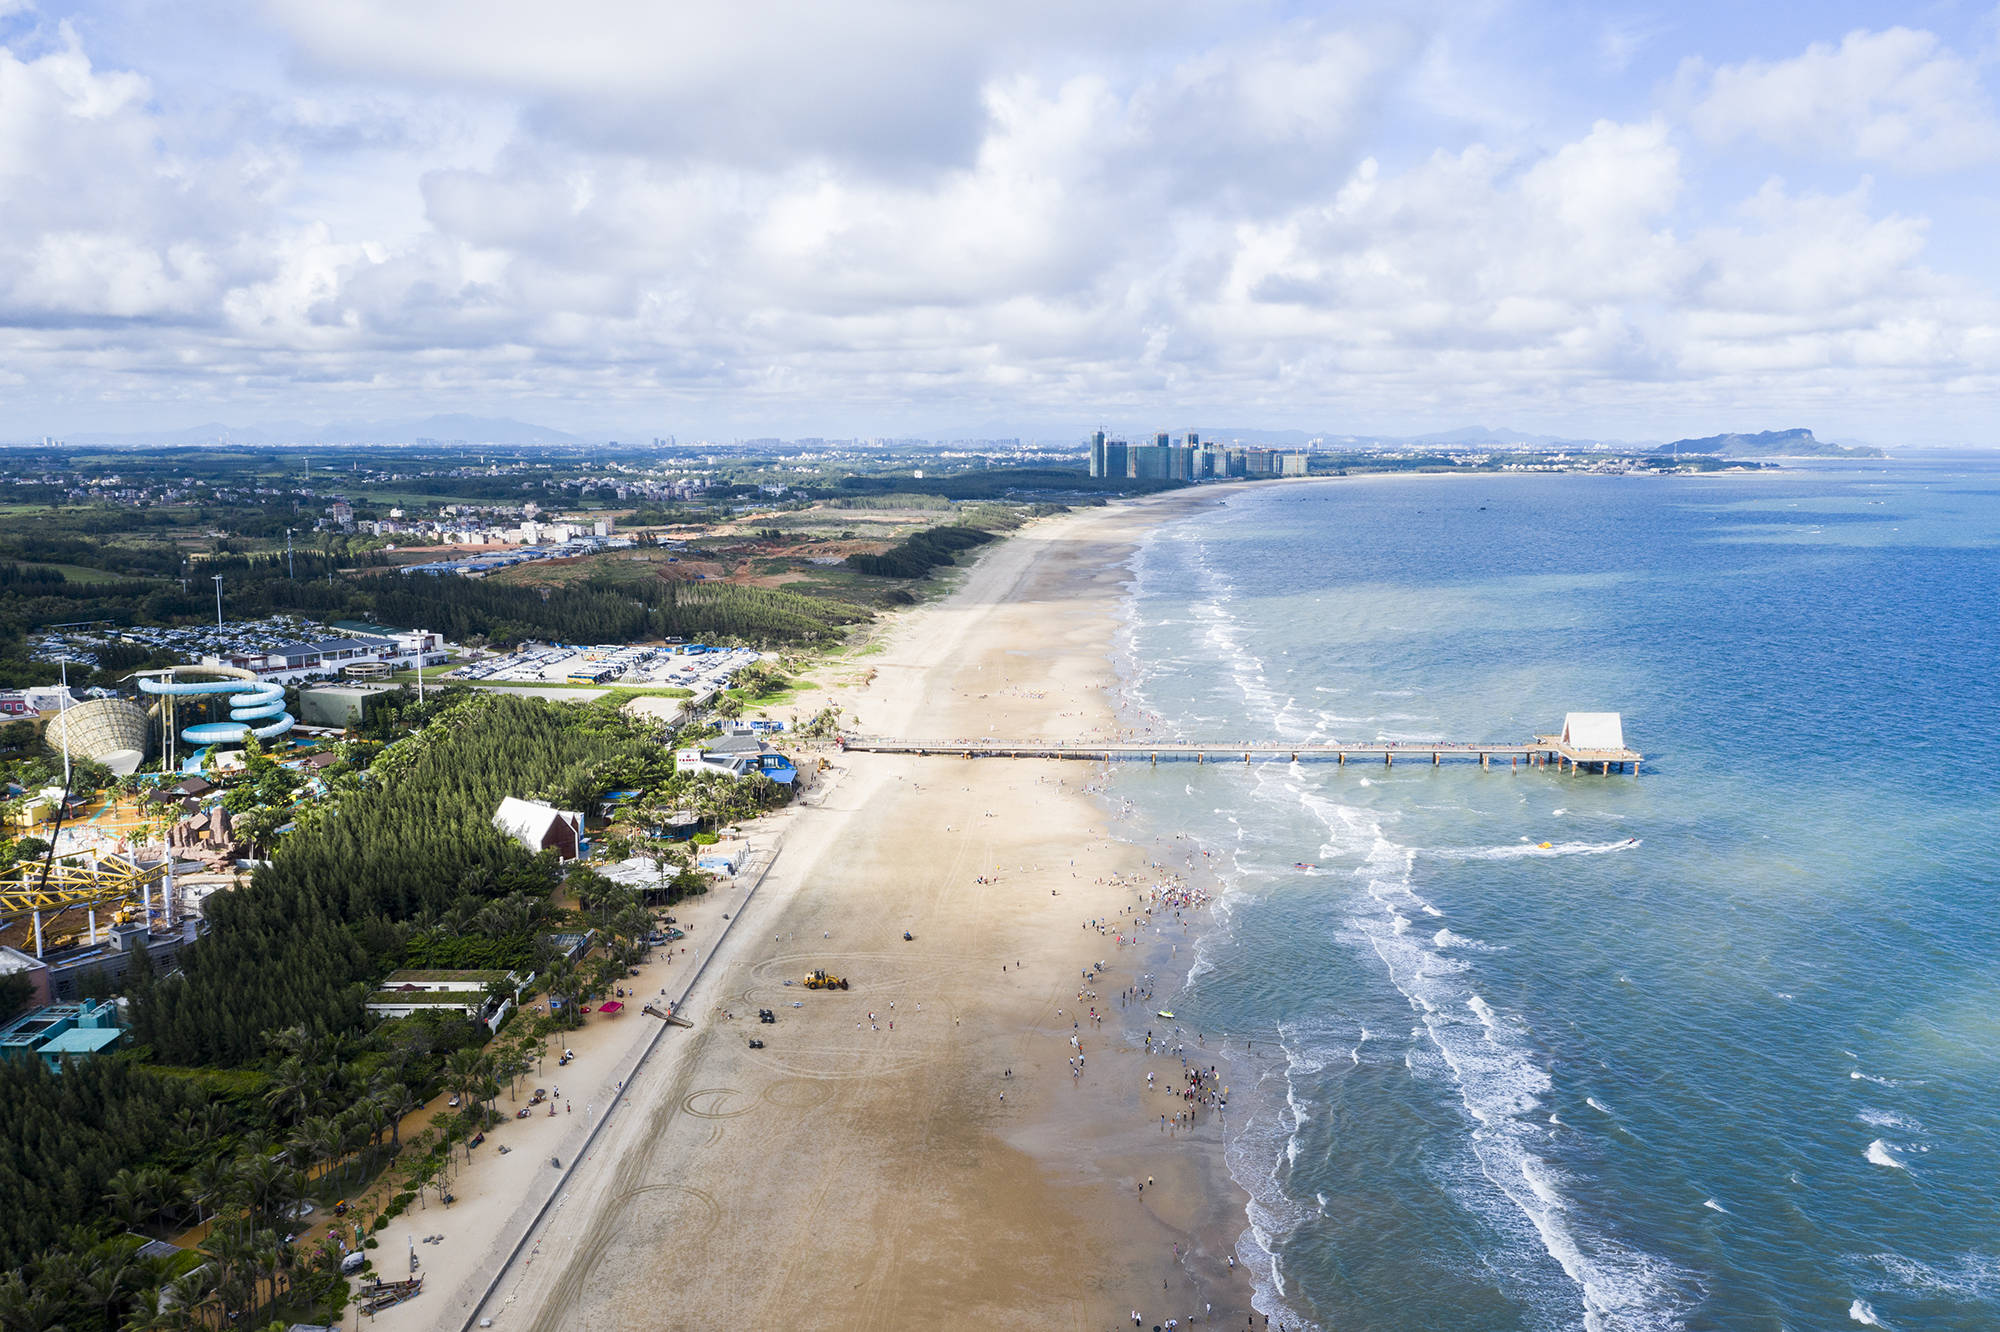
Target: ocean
{"points": [[1723, 1053]]}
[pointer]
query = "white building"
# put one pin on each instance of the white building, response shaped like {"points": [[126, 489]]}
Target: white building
{"points": [[540, 827]]}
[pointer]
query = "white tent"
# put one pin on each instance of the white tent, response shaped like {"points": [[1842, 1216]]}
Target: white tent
{"points": [[1594, 730]]}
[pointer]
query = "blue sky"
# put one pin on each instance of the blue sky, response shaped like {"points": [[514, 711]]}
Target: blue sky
{"points": [[630, 219]]}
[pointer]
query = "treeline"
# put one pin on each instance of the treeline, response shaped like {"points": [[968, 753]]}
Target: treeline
{"points": [[604, 611], [302, 942], [916, 556], [596, 611], [1002, 483], [34, 576]]}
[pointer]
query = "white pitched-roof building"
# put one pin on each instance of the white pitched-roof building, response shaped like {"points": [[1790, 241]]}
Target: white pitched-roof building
{"points": [[540, 827]]}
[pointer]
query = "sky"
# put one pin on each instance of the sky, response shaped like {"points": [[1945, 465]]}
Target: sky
{"points": [[868, 217]]}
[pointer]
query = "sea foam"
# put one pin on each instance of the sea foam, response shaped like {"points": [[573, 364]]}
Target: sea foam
{"points": [[1878, 1153]]}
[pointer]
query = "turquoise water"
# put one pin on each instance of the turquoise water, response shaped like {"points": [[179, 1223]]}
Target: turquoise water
{"points": [[1741, 1073]]}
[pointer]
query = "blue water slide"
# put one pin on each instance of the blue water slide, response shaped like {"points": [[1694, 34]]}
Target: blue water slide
{"points": [[250, 701]]}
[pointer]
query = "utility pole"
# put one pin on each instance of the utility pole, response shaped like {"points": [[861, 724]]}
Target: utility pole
{"points": [[291, 569], [218, 599], [420, 668], [63, 712]]}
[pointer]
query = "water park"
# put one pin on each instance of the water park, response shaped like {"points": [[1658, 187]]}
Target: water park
{"points": [[256, 708]]}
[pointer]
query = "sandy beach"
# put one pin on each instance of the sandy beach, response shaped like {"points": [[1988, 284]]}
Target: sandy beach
{"points": [[919, 1150]]}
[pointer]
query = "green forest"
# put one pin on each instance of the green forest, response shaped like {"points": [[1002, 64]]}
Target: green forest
{"points": [[916, 556], [406, 841]]}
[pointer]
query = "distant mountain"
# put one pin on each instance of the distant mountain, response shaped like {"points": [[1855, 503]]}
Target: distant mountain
{"points": [[1795, 443], [1244, 435], [447, 426]]}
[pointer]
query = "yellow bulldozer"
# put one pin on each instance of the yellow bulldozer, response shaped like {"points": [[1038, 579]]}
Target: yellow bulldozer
{"points": [[819, 980]]}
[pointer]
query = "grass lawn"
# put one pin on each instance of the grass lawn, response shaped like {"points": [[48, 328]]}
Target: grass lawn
{"points": [[77, 573]]}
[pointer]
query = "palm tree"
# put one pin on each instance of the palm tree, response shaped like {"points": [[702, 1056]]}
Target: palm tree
{"points": [[181, 1300], [401, 1101], [371, 1116], [269, 1186], [109, 1282], [150, 1313], [317, 1141], [126, 1194], [488, 1089], [297, 1040], [462, 1073], [210, 1185], [30, 1306], [294, 1088], [266, 1259], [356, 1130], [160, 1188], [564, 984], [227, 1250], [195, 1124]]}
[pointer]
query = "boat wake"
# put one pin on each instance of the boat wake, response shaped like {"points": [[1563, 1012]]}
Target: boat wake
{"points": [[1527, 850]]}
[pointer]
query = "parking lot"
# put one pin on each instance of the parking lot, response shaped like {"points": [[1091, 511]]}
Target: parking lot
{"points": [[692, 666], [189, 642]]}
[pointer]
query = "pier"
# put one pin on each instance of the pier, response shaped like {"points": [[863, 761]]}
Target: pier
{"points": [[1588, 742]]}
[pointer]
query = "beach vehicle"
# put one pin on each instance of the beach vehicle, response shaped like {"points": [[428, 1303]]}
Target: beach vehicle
{"points": [[907, 936], [766, 1015], [756, 1044], [819, 980]]}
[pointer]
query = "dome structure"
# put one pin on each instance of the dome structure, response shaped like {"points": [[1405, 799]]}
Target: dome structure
{"points": [[113, 731]]}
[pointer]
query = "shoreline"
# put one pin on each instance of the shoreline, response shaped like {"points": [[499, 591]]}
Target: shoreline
{"points": [[859, 1172]]}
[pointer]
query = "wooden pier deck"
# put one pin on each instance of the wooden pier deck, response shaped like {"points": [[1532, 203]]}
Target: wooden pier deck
{"points": [[1542, 751]]}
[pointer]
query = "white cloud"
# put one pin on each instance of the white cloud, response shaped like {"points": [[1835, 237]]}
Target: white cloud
{"points": [[1247, 223], [1899, 98], [889, 83]]}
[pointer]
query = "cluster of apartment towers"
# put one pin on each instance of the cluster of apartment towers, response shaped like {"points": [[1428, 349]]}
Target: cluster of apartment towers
{"points": [[1164, 460]]}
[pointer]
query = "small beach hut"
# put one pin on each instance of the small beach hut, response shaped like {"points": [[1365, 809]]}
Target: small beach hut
{"points": [[1593, 731]]}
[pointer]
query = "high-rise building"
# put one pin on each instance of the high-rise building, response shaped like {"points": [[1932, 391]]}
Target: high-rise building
{"points": [[1097, 454], [1117, 458], [1162, 462], [1149, 462]]}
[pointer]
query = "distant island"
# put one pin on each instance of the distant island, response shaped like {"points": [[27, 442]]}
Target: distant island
{"points": [[1797, 443]]}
